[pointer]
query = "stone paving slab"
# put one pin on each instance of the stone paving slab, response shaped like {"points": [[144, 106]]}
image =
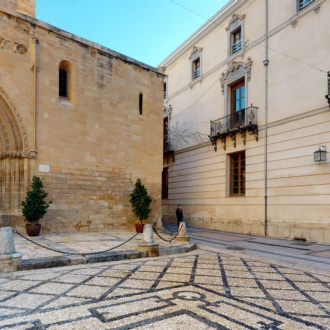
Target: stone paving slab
{"points": [[203, 289]]}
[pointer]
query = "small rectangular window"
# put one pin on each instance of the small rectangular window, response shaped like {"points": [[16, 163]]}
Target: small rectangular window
{"points": [[140, 103], [63, 83], [236, 37], [196, 68], [303, 3], [237, 174]]}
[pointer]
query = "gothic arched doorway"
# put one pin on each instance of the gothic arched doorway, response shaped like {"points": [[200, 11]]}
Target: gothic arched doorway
{"points": [[14, 160]]}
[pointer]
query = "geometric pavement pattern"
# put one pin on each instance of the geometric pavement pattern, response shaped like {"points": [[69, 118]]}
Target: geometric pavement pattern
{"points": [[205, 290]]}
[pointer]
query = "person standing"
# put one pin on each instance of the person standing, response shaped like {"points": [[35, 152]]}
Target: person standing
{"points": [[179, 214]]}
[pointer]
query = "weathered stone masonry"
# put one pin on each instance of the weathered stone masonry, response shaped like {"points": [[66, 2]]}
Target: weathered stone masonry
{"points": [[91, 146]]}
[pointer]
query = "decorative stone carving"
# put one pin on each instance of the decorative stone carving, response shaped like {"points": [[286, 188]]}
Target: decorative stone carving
{"points": [[235, 71], [235, 19], [9, 104], [21, 49], [194, 51], [13, 46]]}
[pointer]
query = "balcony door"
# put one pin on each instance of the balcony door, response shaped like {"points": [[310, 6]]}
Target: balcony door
{"points": [[238, 104]]}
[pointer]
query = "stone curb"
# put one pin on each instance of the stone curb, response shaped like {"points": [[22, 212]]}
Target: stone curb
{"points": [[50, 262]]}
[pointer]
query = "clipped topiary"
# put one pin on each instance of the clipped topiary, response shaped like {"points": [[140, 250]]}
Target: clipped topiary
{"points": [[140, 201], [34, 207]]}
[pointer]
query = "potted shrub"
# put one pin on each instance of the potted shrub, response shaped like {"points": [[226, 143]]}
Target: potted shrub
{"points": [[140, 201], [34, 207]]}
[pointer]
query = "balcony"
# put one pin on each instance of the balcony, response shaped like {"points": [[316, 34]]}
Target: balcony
{"points": [[240, 122], [168, 149]]}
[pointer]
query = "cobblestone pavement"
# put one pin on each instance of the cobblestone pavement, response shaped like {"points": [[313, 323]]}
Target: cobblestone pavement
{"points": [[83, 243], [204, 289]]}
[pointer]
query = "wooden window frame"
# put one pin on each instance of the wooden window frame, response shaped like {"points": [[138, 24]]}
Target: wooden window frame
{"points": [[237, 174], [302, 4], [196, 68], [236, 42]]}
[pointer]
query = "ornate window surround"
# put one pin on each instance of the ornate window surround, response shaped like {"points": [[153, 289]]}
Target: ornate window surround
{"points": [[236, 22], [195, 54], [236, 71]]}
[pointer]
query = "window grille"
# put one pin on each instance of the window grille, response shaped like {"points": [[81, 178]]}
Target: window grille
{"points": [[237, 45]]}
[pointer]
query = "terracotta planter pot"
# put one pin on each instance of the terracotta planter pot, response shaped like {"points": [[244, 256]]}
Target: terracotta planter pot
{"points": [[33, 229], [139, 227]]}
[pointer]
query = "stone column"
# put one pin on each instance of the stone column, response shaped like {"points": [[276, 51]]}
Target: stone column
{"points": [[9, 258], [148, 245]]}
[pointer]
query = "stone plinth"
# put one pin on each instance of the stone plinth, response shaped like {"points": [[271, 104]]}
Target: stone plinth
{"points": [[148, 245], [9, 258]]}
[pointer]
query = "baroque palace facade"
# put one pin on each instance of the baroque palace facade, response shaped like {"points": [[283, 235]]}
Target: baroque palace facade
{"points": [[83, 117], [246, 119]]}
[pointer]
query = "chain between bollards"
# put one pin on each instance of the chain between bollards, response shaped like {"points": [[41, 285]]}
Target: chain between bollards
{"points": [[74, 253], [170, 241], [171, 231]]}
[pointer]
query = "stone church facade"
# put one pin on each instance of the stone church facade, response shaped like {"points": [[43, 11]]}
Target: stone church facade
{"points": [[86, 119]]}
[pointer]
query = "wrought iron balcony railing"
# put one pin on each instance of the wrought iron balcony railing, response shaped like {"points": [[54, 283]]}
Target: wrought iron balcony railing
{"points": [[239, 121]]}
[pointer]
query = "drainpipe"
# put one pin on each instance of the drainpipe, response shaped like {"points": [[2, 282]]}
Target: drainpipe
{"points": [[34, 69], [266, 62]]}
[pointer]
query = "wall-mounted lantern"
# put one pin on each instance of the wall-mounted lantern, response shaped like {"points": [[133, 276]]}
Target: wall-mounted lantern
{"points": [[320, 155], [328, 96]]}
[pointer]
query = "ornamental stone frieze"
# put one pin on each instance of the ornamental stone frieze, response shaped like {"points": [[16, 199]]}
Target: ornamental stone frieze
{"points": [[12, 155], [13, 46]]}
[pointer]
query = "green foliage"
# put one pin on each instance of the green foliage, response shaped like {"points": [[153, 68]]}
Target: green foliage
{"points": [[140, 201], [34, 207]]}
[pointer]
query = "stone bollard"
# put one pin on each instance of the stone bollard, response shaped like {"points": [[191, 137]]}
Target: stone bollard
{"points": [[9, 258], [148, 245], [182, 235], [159, 225]]}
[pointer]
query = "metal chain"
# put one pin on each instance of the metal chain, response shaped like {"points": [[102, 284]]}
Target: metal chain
{"points": [[170, 241], [73, 253], [171, 231]]}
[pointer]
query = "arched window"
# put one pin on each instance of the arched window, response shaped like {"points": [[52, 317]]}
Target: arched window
{"points": [[140, 103], [65, 81]]}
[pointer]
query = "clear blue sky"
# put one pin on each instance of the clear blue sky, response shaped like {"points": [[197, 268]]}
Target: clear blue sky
{"points": [[146, 30]]}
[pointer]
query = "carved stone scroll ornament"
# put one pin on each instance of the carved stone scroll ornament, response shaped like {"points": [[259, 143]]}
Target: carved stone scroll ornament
{"points": [[235, 71]]}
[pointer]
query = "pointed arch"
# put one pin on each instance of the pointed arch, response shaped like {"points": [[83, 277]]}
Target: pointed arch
{"points": [[14, 158], [13, 138]]}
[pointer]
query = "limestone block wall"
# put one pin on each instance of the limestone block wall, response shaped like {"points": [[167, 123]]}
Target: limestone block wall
{"points": [[90, 146]]}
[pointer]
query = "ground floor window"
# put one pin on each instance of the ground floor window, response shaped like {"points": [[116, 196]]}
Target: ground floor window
{"points": [[237, 174]]}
